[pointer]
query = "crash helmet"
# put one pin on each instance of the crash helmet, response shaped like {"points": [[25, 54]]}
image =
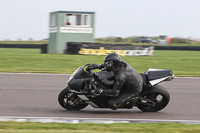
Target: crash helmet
{"points": [[112, 61]]}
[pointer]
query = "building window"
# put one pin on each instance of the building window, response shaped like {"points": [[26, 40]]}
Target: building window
{"points": [[53, 19], [82, 20]]}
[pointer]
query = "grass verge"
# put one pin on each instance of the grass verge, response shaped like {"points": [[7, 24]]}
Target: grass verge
{"points": [[183, 63], [32, 127]]}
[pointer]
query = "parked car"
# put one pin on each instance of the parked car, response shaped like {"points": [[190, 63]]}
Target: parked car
{"points": [[145, 40]]}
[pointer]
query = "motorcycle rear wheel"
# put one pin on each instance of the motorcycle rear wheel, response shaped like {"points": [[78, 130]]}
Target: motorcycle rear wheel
{"points": [[159, 95], [70, 101]]}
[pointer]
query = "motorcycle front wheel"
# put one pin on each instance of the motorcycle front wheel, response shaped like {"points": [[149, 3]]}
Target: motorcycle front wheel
{"points": [[157, 99], [70, 101]]}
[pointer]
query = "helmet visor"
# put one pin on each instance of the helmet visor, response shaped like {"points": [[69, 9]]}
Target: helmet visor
{"points": [[108, 64]]}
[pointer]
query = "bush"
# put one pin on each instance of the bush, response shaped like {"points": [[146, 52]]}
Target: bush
{"points": [[180, 40]]}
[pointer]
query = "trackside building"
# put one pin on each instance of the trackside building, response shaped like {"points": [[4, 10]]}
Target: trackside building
{"points": [[69, 26]]}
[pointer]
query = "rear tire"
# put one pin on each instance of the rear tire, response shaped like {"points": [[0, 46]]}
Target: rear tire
{"points": [[157, 94], [70, 101]]}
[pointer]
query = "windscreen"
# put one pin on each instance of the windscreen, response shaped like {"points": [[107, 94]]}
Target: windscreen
{"points": [[80, 73]]}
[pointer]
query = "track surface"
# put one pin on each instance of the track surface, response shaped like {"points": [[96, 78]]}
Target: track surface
{"points": [[35, 95]]}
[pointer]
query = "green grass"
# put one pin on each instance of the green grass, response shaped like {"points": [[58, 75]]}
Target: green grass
{"points": [[183, 63], [15, 127], [23, 42]]}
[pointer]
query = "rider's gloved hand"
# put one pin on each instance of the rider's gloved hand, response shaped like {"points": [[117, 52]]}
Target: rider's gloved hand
{"points": [[88, 68], [97, 66], [93, 66], [100, 66]]}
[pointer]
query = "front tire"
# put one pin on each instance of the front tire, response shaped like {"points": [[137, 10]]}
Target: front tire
{"points": [[159, 95], [70, 101]]}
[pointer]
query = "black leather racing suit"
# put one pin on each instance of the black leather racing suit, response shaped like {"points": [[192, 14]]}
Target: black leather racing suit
{"points": [[128, 84]]}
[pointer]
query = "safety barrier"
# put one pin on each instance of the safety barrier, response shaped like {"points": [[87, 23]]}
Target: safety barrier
{"points": [[104, 49], [43, 47]]}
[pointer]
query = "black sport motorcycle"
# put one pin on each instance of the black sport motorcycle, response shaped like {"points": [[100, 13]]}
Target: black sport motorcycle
{"points": [[80, 91]]}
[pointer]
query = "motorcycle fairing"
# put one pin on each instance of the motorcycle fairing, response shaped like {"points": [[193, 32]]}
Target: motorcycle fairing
{"points": [[80, 73], [76, 84], [95, 102], [84, 98]]}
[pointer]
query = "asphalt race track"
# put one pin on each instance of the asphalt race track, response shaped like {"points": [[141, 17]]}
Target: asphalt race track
{"points": [[35, 95]]}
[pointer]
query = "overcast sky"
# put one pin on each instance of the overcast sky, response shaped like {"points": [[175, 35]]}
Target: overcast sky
{"points": [[24, 19]]}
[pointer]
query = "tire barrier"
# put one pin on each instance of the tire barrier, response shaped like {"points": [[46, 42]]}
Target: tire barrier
{"points": [[20, 46], [104, 49], [43, 48]]}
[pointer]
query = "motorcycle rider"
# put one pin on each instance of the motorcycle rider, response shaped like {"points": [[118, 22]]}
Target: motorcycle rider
{"points": [[127, 82]]}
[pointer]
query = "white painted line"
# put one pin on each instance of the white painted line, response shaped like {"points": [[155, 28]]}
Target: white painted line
{"points": [[91, 120]]}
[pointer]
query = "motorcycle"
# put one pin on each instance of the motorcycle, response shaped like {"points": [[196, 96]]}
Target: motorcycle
{"points": [[80, 90]]}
